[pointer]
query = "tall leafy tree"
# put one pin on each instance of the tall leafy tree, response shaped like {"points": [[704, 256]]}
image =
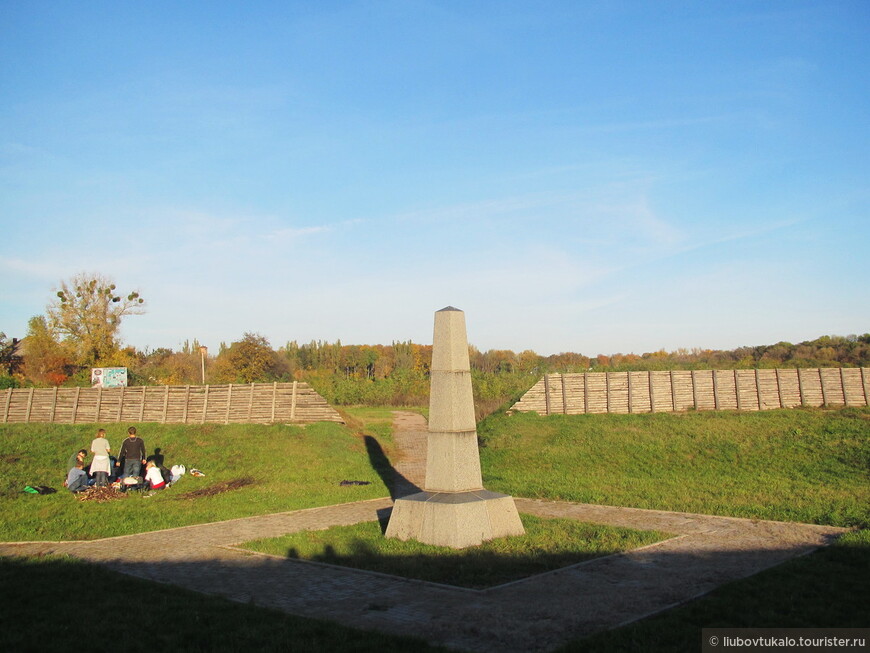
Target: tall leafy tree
{"points": [[47, 361], [250, 360], [88, 311]]}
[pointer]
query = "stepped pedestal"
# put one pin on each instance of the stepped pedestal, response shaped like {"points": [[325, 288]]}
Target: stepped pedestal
{"points": [[453, 509]]}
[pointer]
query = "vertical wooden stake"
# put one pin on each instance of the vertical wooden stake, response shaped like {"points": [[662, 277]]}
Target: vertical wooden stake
{"points": [[229, 401], [165, 402], [824, 390], [53, 405], [99, 403], [142, 407], [863, 385], [75, 409], [758, 389], [274, 398], [652, 396], [186, 402], [204, 405], [607, 385], [673, 394], [779, 389], [251, 403], [843, 384], [121, 403], [715, 390], [293, 404], [629, 391], [694, 391], [737, 388], [6, 407], [585, 392], [547, 392], [564, 396], [29, 404], [801, 387]]}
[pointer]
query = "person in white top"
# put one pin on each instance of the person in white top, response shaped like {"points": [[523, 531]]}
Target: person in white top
{"points": [[153, 477], [100, 465]]}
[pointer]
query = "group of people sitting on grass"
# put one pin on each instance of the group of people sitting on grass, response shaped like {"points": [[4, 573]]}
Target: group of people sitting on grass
{"points": [[123, 471]]}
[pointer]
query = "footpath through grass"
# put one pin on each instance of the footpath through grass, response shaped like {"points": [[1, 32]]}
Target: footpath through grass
{"points": [[790, 465], [548, 544]]}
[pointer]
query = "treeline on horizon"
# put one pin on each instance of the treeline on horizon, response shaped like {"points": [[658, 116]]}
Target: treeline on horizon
{"points": [[397, 374]]}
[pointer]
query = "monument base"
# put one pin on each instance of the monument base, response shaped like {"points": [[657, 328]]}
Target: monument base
{"points": [[454, 519]]}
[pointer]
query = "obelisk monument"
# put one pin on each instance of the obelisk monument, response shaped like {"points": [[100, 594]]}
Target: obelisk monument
{"points": [[453, 509]]}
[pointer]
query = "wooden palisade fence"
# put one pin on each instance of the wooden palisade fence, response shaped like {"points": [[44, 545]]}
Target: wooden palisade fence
{"points": [[679, 390], [265, 403]]}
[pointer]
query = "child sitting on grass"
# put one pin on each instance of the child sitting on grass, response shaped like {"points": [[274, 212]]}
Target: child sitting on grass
{"points": [[153, 477], [77, 479]]}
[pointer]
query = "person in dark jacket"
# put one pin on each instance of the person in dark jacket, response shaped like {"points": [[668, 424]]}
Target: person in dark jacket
{"points": [[132, 454]]}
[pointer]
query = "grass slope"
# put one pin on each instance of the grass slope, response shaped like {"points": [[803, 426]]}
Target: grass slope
{"points": [[292, 467], [548, 544], [791, 465]]}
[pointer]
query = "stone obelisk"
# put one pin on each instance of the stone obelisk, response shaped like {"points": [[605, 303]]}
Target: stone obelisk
{"points": [[453, 509]]}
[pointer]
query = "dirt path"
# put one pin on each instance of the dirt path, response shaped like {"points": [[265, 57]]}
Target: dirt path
{"points": [[536, 614]]}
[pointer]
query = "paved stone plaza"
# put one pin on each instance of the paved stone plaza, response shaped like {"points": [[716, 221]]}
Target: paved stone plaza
{"points": [[535, 614]]}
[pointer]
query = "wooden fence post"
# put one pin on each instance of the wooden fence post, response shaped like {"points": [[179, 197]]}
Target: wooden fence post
{"points": [[715, 390], [142, 406], [673, 394], [824, 391], [564, 397], [99, 403], [629, 391], [607, 385], [53, 405], [186, 402], [694, 391], [274, 399], [229, 402], [801, 386], [29, 405], [758, 389], [779, 389], [165, 402], [9, 400], [863, 387], [843, 386], [547, 392], [652, 396], [121, 403], [585, 392], [737, 388], [251, 402], [204, 405], [293, 403], [75, 408]]}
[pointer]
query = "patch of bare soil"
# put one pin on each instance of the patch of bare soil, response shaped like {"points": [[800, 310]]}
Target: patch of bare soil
{"points": [[218, 488], [9, 459]]}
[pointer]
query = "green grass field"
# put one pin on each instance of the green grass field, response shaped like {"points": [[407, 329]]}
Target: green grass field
{"points": [[800, 465], [548, 544], [291, 467], [790, 465]]}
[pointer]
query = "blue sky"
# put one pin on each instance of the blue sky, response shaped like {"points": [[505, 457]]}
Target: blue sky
{"points": [[596, 177]]}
